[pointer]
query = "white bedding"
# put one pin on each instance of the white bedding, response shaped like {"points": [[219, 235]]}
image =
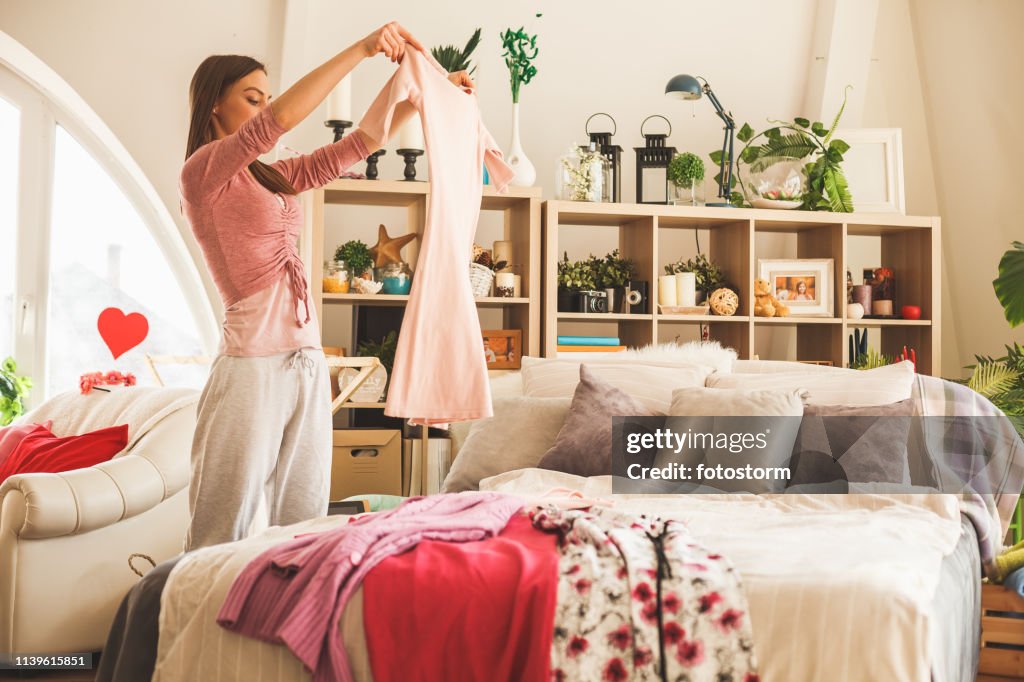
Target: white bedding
{"points": [[838, 585]]}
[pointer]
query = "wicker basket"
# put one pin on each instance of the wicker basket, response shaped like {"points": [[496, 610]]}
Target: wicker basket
{"points": [[480, 279]]}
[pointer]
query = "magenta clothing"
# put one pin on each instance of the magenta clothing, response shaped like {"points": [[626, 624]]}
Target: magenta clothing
{"points": [[294, 593], [247, 233], [440, 374], [261, 324]]}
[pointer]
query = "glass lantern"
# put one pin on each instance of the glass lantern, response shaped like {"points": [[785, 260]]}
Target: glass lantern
{"points": [[584, 174]]}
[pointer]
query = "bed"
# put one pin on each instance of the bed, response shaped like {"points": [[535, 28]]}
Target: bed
{"points": [[859, 587]]}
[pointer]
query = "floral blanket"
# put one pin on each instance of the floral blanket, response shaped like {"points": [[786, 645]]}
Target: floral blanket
{"points": [[640, 599]]}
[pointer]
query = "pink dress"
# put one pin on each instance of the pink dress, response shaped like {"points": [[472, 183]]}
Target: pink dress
{"points": [[440, 375]]}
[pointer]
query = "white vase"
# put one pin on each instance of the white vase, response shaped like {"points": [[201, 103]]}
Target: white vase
{"points": [[525, 173]]}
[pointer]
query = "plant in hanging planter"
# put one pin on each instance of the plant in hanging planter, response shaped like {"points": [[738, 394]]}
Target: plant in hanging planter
{"points": [[796, 161], [454, 59], [709, 276], [685, 171], [13, 391]]}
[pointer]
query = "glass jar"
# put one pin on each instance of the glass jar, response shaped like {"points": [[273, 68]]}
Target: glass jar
{"points": [[396, 278], [584, 174], [336, 277]]}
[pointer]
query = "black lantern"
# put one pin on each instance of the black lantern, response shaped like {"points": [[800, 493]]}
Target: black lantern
{"points": [[612, 152], [653, 156]]}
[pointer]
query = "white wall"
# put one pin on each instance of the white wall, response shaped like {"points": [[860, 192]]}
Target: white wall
{"points": [[132, 62]]}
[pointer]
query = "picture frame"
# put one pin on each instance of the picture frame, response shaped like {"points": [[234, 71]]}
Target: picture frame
{"points": [[805, 285], [873, 166], [503, 348]]}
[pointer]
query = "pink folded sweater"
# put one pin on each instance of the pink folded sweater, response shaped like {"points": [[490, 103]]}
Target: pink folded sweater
{"points": [[294, 593]]}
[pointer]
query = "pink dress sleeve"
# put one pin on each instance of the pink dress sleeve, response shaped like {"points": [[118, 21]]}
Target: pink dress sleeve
{"points": [[376, 122], [323, 165], [212, 165], [499, 171]]}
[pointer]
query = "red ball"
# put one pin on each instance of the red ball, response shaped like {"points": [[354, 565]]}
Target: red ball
{"points": [[911, 312]]}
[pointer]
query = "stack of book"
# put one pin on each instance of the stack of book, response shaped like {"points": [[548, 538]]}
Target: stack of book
{"points": [[589, 344]]}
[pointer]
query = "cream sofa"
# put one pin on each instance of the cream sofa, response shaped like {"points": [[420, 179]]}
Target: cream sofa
{"points": [[65, 538]]}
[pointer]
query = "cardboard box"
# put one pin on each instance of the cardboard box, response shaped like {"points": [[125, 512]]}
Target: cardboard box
{"points": [[366, 461]]}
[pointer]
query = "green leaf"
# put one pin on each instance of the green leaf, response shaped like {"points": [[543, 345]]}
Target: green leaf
{"points": [[716, 157], [773, 133], [818, 129], [802, 122], [745, 133], [839, 145], [991, 379], [1009, 285], [839, 199], [750, 155], [794, 146], [835, 121]]}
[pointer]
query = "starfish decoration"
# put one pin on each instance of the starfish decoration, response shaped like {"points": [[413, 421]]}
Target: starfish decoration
{"points": [[388, 250]]}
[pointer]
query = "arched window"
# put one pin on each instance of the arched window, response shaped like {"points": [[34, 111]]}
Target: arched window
{"points": [[81, 230]]}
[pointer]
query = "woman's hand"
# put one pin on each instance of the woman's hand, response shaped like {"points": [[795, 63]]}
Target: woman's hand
{"points": [[390, 39], [461, 79]]}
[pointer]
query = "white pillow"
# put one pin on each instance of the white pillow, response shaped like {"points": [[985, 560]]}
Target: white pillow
{"points": [[503, 385], [737, 402], [859, 388], [710, 353], [650, 383], [773, 366], [516, 437]]}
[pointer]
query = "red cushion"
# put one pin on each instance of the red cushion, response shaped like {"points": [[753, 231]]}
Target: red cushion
{"points": [[12, 435], [41, 451]]}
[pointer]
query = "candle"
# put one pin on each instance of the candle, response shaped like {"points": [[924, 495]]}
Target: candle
{"points": [[411, 134], [339, 101], [518, 289], [503, 252], [862, 294], [667, 290], [686, 289], [505, 284], [881, 307]]}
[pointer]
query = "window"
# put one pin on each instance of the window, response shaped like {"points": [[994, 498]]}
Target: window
{"points": [[102, 255], [9, 132]]}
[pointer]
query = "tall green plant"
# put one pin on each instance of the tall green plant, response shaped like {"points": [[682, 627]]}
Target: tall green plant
{"points": [[454, 59], [520, 50], [13, 391], [827, 188], [1001, 380], [1009, 285]]}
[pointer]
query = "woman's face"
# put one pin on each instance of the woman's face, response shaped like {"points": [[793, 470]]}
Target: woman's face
{"points": [[242, 101], [801, 288]]}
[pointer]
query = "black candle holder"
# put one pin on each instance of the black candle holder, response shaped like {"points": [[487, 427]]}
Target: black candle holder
{"points": [[410, 162], [338, 126], [371, 163]]}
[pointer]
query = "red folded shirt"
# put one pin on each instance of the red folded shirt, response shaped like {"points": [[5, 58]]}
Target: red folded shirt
{"points": [[42, 451], [465, 610]]}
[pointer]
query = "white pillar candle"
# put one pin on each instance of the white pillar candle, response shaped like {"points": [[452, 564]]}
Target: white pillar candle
{"points": [[411, 134], [505, 284], [518, 291], [667, 290], [686, 289], [339, 101]]}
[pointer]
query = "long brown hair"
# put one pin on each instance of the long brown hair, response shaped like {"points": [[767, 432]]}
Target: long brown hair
{"points": [[211, 80]]}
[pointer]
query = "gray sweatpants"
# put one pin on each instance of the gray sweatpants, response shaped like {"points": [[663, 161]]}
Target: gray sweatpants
{"points": [[264, 429]]}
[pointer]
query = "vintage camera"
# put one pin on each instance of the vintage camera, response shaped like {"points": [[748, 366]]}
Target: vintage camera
{"points": [[593, 302]]}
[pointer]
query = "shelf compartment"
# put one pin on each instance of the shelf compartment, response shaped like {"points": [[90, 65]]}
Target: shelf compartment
{"points": [[791, 320], [604, 317], [865, 322], [703, 319]]}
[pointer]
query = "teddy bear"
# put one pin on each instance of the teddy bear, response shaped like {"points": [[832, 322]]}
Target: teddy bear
{"points": [[765, 303]]}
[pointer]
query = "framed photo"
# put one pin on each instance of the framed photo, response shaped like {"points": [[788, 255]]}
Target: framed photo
{"points": [[803, 284], [503, 348], [874, 168]]}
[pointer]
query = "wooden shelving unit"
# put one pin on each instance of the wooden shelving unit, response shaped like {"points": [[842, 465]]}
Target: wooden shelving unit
{"points": [[909, 244], [521, 211]]}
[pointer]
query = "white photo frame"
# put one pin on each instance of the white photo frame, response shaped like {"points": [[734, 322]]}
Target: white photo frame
{"points": [[805, 285], [873, 166]]}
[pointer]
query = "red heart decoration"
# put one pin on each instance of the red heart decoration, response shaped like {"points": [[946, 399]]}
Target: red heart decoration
{"points": [[122, 332]]}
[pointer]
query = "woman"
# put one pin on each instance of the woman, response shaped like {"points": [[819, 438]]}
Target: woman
{"points": [[264, 422], [801, 292]]}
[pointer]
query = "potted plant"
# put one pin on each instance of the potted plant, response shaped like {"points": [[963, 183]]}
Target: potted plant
{"points": [[520, 49], [375, 387], [573, 277], [454, 59], [13, 391], [358, 260], [686, 172], [708, 275], [613, 273]]}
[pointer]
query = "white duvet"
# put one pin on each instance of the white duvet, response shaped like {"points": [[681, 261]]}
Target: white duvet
{"points": [[838, 586]]}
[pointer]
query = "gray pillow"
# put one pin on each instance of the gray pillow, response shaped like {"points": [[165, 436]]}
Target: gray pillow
{"points": [[516, 437], [584, 445], [839, 444]]}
